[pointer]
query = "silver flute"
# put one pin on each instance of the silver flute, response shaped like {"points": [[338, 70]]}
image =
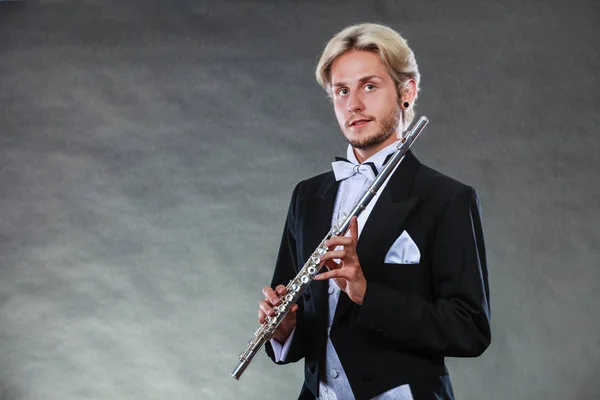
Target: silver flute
{"points": [[298, 285]]}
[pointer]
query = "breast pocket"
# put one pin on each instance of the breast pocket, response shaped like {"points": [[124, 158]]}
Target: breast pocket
{"points": [[404, 250]]}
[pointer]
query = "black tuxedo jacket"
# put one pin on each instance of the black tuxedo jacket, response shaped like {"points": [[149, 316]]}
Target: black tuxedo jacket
{"points": [[413, 315]]}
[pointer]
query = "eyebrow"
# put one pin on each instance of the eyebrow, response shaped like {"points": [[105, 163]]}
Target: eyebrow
{"points": [[361, 80]]}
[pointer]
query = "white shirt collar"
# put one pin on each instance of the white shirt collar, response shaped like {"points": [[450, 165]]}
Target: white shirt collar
{"points": [[377, 159]]}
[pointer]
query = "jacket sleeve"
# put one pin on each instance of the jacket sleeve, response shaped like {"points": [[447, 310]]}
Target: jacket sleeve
{"points": [[285, 271], [457, 322]]}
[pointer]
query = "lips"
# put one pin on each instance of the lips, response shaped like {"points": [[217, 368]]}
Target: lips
{"points": [[359, 121]]}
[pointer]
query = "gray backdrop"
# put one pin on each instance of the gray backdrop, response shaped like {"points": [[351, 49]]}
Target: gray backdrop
{"points": [[148, 150]]}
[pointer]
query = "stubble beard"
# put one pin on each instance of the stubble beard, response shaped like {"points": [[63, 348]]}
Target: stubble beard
{"points": [[386, 128]]}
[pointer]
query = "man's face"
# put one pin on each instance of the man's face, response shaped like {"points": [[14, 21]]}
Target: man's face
{"points": [[365, 100]]}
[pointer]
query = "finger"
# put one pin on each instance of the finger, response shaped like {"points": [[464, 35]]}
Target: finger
{"points": [[338, 241], [330, 255], [271, 295], [261, 314], [354, 229], [281, 290], [332, 264], [266, 307], [336, 273]]}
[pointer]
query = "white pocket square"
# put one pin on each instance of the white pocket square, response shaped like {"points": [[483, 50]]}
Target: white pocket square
{"points": [[403, 251]]}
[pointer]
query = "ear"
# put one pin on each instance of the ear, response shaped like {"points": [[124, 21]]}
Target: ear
{"points": [[408, 92]]}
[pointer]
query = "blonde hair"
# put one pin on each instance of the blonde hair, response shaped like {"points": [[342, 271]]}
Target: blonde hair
{"points": [[382, 40]]}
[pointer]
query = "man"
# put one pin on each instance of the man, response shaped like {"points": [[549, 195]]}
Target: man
{"points": [[407, 286]]}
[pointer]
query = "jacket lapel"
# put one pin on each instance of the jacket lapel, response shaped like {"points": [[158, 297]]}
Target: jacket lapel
{"points": [[384, 224], [324, 203]]}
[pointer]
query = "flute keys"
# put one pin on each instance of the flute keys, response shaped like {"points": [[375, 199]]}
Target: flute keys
{"points": [[305, 279], [322, 250], [312, 270], [281, 308], [315, 260], [289, 297], [295, 287]]}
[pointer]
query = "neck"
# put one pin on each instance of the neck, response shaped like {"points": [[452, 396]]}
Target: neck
{"points": [[363, 155]]}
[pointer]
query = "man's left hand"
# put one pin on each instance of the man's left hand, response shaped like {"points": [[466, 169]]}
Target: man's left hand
{"points": [[347, 273]]}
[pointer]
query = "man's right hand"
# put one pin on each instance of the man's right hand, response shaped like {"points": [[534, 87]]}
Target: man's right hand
{"points": [[265, 307]]}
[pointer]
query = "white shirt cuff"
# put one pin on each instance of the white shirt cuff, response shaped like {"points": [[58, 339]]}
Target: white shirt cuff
{"points": [[281, 350]]}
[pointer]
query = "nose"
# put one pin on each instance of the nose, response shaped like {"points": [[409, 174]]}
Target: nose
{"points": [[355, 103]]}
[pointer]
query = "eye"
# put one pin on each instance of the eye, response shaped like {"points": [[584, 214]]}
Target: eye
{"points": [[342, 92], [370, 87]]}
